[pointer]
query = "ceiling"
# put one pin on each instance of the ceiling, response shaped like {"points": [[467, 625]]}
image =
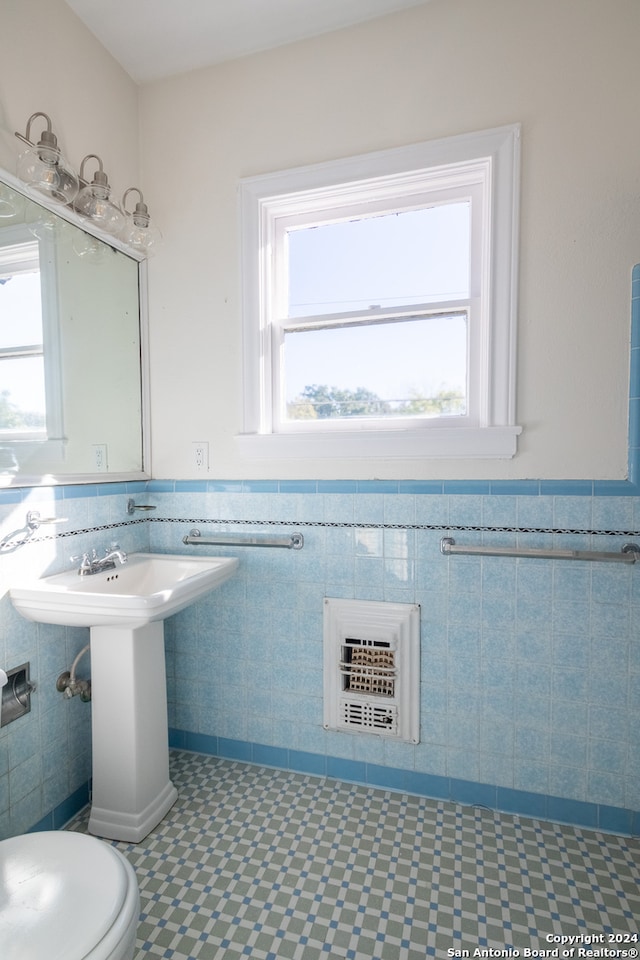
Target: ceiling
{"points": [[152, 39]]}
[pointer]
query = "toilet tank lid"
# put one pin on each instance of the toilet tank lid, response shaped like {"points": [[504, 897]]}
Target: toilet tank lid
{"points": [[60, 894]]}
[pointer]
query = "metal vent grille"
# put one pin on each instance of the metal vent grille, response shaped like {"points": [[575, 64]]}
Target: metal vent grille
{"points": [[369, 716], [368, 666], [372, 668]]}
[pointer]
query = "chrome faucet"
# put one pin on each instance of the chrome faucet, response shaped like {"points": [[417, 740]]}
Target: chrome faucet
{"points": [[94, 564]]}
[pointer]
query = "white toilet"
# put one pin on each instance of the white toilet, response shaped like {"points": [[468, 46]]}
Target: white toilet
{"points": [[66, 896]]}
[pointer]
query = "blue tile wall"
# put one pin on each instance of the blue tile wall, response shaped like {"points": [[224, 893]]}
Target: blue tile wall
{"points": [[530, 668], [530, 672]]}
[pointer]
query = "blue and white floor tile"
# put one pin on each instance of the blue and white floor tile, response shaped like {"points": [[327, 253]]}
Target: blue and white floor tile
{"points": [[272, 865]]}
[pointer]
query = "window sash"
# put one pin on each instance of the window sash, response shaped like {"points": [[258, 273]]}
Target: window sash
{"points": [[280, 224], [278, 323], [284, 423]]}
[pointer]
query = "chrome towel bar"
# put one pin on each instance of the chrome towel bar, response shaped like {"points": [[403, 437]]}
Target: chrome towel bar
{"points": [[294, 541], [628, 554]]}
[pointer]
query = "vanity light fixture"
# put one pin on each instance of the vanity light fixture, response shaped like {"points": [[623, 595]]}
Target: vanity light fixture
{"points": [[139, 232], [43, 168], [93, 200]]}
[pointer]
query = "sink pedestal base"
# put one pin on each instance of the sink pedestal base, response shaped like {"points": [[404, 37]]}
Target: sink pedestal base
{"points": [[132, 790]]}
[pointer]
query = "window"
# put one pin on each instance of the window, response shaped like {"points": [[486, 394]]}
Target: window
{"points": [[29, 388], [379, 303]]}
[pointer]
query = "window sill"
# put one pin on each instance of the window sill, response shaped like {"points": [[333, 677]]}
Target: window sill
{"points": [[443, 443]]}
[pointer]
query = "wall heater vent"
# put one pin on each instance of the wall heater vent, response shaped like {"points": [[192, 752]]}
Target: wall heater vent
{"points": [[372, 668]]}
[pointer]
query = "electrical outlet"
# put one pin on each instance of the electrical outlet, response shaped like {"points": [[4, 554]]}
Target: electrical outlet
{"points": [[100, 461], [200, 455]]}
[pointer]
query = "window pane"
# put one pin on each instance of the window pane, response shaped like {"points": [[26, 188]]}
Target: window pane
{"points": [[402, 368], [22, 395], [20, 310], [418, 256]]}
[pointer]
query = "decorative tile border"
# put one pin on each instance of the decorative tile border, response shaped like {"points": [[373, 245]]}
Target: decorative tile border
{"points": [[507, 800], [371, 525], [229, 522]]}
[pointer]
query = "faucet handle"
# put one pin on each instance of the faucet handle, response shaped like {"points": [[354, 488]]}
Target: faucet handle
{"points": [[85, 562]]}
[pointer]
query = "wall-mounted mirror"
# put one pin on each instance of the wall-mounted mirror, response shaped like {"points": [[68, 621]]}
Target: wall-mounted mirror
{"points": [[71, 345]]}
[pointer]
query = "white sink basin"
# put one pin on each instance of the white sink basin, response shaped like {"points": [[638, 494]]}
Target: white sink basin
{"points": [[148, 587]]}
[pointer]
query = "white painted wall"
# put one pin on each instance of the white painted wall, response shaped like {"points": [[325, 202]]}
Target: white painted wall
{"points": [[568, 70], [50, 62]]}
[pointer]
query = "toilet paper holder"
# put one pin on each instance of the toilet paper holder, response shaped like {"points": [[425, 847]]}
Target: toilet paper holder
{"points": [[16, 693]]}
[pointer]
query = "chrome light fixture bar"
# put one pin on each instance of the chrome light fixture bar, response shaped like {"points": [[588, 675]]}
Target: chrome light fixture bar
{"points": [[45, 172]]}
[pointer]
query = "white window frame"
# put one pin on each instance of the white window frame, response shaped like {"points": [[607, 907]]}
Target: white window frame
{"points": [[484, 164]]}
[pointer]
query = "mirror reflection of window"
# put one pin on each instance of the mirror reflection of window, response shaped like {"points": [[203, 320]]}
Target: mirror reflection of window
{"points": [[70, 350], [22, 370]]}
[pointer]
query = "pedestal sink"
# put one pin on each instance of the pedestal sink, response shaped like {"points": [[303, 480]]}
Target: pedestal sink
{"points": [[125, 608]]}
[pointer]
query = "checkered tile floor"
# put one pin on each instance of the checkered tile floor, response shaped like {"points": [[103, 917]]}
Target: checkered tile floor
{"points": [[261, 863]]}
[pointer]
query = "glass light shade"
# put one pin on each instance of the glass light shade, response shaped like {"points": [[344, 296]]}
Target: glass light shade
{"points": [[44, 170], [11, 203], [43, 224], [140, 236], [139, 232], [89, 248], [93, 203]]}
